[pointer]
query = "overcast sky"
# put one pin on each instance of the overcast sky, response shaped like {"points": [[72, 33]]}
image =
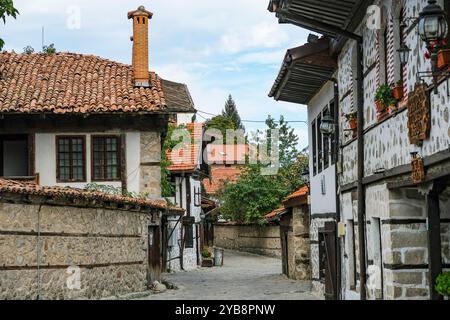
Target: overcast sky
{"points": [[216, 47]]}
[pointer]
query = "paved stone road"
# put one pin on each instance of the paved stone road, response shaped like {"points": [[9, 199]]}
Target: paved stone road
{"points": [[243, 277]]}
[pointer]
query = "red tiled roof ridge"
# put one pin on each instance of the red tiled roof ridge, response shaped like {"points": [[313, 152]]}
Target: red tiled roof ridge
{"points": [[77, 83], [303, 191], [62, 192]]}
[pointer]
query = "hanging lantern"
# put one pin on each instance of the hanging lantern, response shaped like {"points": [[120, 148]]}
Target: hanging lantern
{"points": [[432, 23], [403, 53], [305, 175], [327, 125]]}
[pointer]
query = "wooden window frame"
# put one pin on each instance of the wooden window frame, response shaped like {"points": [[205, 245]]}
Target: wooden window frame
{"points": [[333, 135], [314, 145], [58, 178], [119, 158], [319, 144]]}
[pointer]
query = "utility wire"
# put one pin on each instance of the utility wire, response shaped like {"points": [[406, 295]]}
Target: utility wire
{"points": [[250, 121]]}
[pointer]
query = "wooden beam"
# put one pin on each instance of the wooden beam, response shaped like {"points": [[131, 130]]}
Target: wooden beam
{"points": [[434, 240]]}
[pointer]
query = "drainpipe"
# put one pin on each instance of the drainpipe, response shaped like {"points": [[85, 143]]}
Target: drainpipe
{"points": [[361, 192], [336, 182]]}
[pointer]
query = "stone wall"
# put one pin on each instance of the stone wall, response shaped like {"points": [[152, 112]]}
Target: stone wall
{"points": [[254, 239], [42, 245], [150, 181], [296, 227]]}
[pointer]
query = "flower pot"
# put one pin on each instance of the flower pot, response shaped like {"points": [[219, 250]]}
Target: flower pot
{"points": [[397, 92], [383, 114], [354, 127], [443, 58], [392, 109], [379, 106]]}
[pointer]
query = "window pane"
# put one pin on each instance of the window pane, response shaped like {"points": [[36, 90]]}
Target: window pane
{"points": [[71, 159], [106, 158]]}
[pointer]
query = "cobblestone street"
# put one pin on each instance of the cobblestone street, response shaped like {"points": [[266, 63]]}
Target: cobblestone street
{"points": [[244, 276]]}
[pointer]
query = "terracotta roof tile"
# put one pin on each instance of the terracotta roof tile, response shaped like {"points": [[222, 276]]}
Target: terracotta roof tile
{"points": [[219, 177], [73, 83], [187, 158], [303, 191], [9, 186], [275, 213], [227, 154]]}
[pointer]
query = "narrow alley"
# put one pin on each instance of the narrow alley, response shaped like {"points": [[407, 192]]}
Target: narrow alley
{"points": [[244, 276]]}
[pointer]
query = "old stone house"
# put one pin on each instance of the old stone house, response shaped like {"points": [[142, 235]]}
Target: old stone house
{"points": [[392, 168], [304, 61], [71, 119], [183, 233]]}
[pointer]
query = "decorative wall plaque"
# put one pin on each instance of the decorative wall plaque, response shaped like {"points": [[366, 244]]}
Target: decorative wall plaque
{"points": [[419, 115], [418, 170]]}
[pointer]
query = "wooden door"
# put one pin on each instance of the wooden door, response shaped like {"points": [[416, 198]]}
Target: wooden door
{"points": [[154, 253], [330, 269]]}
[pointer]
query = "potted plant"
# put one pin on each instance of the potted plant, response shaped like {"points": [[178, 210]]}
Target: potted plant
{"points": [[443, 285], [393, 106], [352, 121], [442, 49], [397, 91], [383, 98], [207, 260]]}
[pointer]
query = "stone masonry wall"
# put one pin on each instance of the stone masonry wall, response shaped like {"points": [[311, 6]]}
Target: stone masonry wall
{"points": [[254, 239], [150, 181], [299, 245], [40, 247]]}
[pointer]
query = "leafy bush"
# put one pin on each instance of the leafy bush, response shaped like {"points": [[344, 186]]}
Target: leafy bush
{"points": [[443, 284], [49, 50], [206, 253]]}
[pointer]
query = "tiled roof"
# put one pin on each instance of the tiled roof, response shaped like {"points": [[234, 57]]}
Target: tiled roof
{"points": [[9, 186], [187, 158], [178, 97], [275, 213], [303, 191], [227, 154], [73, 83], [219, 177]]}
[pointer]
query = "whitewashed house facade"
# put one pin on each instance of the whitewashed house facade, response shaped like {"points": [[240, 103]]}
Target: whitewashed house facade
{"points": [[389, 177]]}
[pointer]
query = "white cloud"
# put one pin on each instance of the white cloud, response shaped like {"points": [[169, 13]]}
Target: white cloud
{"points": [[265, 57], [262, 35]]}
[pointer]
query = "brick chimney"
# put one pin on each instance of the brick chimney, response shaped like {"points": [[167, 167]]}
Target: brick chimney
{"points": [[141, 19]]}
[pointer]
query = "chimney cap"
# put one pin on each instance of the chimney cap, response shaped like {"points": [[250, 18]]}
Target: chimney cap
{"points": [[141, 11]]}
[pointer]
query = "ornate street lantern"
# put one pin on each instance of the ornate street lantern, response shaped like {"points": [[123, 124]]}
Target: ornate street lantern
{"points": [[403, 53], [305, 175], [327, 125], [432, 23]]}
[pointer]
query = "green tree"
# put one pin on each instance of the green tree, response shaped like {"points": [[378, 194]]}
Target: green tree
{"points": [[6, 9], [254, 195], [221, 123], [230, 111], [288, 140]]}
